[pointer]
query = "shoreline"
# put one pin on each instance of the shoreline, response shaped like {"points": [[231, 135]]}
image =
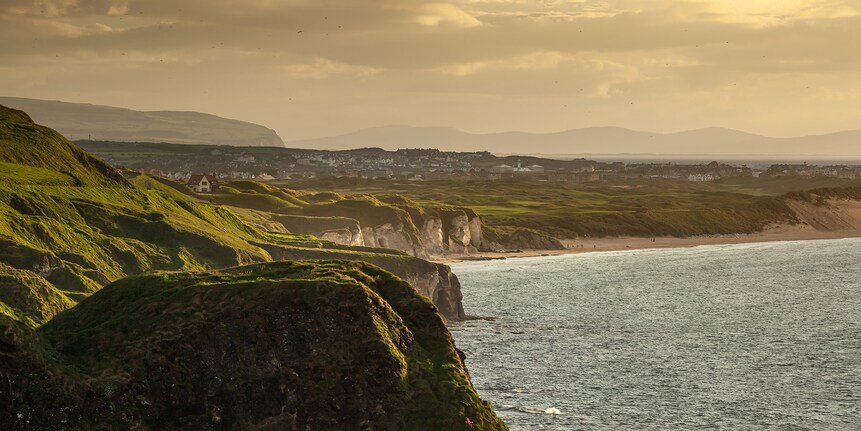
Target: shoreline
{"points": [[593, 245]]}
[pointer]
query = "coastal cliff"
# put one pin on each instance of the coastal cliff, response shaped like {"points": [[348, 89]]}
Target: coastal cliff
{"points": [[325, 345], [70, 224], [86, 342], [392, 222]]}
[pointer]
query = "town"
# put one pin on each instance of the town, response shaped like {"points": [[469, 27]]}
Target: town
{"points": [[180, 162]]}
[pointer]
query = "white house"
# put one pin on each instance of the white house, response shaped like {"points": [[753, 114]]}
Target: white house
{"points": [[203, 183], [502, 169], [702, 178]]}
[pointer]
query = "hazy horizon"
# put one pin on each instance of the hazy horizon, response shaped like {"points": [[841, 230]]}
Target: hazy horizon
{"points": [[310, 69]]}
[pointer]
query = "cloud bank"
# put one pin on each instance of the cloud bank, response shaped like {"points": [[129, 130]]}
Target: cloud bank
{"points": [[322, 67]]}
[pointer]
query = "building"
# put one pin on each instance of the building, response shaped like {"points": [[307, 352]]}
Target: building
{"points": [[203, 183], [502, 169], [702, 178]]}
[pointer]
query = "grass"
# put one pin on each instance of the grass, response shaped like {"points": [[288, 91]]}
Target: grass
{"points": [[348, 312], [27, 297], [655, 208], [99, 351], [11, 173], [23, 142]]}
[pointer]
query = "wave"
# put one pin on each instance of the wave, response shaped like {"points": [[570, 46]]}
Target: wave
{"points": [[551, 411]]}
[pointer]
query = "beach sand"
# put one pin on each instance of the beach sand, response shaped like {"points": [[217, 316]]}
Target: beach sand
{"points": [[587, 245], [838, 219]]}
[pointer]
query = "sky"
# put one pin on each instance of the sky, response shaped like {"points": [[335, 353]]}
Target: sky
{"points": [[312, 68]]}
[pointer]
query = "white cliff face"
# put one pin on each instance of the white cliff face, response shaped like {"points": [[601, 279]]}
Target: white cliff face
{"points": [[443, 289], [459, 235], [475, 238], [346, 236], [432, 236], [393, 237], [425, 283]]}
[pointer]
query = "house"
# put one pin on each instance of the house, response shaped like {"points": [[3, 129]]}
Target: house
{"points": [[203, 183], [535, 169], [502, 169], [702, 178]]}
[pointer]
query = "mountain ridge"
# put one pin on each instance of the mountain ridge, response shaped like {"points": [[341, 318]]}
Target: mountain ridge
{"points": [[599, 139], [80, 120]]}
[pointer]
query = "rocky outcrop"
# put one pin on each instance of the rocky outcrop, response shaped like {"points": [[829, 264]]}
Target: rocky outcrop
{"points": [[340, 230], [396, 225], [278, 346], [461, 230], [442, 287], [434, 280], [392, 236], [344, 236], [432, 235]]}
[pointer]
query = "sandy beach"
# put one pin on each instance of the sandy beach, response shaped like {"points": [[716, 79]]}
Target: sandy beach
{"points": [[590, 245], [838, 219]]}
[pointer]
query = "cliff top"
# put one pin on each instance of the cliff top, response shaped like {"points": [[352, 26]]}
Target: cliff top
{"points": [[287, 345]]}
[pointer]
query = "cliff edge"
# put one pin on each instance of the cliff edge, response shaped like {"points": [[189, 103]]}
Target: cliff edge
{"points": [[329, 345]]}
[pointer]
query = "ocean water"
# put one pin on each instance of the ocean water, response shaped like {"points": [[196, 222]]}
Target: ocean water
{"points": [[738, 337]]}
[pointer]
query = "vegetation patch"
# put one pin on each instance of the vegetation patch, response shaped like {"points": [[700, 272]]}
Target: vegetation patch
{"points": [[324, 345]]}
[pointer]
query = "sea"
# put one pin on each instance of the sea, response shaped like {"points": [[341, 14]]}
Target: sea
{"points": [[763, 336]]}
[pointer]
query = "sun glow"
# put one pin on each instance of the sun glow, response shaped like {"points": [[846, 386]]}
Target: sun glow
{"points": [[775, 11]]}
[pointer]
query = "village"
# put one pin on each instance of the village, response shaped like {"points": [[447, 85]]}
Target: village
{"points": [[184, 163]]}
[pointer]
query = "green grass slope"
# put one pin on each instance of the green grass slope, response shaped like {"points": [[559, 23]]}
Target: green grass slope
{"points": [[67, 235], [326, 345], [647, 209], [22, 142], [26, 296]]}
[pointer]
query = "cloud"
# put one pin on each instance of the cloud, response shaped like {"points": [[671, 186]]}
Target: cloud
{"points": [[322, 68], [119, 8], [777, 12], [676, 57], [436, 14]]}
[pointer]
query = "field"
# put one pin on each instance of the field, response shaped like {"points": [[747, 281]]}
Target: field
{"points": [[649, 208]]}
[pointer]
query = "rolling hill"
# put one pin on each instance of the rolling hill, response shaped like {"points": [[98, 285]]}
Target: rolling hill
{"points": [[105, 123], [124, 307]]}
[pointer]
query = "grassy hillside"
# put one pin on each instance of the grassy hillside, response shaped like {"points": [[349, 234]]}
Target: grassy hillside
{"points": [[27, 297], [65, 235], [307, 212], [22, 142], [325, 345], [655, 208]]}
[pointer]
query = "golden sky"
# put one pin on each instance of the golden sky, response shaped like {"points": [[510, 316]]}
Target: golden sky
{"points": [[310, 68]]}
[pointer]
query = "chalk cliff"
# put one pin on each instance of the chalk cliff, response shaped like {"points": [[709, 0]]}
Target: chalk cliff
{"points": [[417, 231]]}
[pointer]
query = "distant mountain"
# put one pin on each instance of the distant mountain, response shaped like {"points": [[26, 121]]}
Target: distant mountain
{"points": [[105, 123], [595, 140]]}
